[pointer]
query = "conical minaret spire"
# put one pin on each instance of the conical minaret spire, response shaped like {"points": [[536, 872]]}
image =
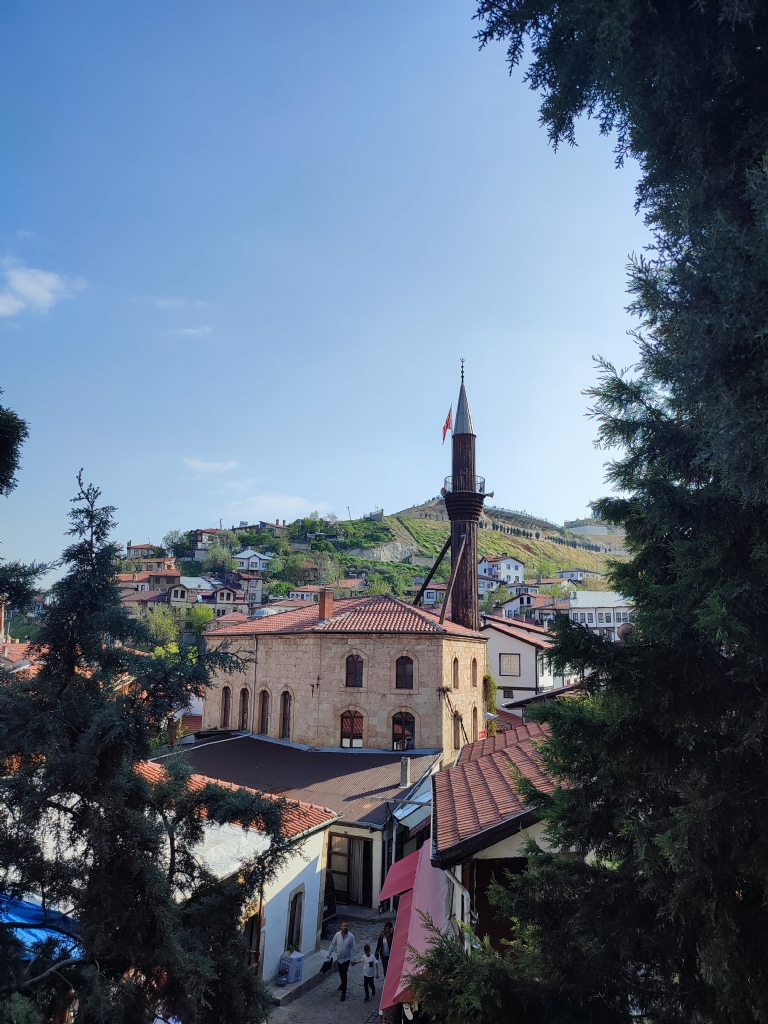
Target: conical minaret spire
{"points": [[464, 503]]}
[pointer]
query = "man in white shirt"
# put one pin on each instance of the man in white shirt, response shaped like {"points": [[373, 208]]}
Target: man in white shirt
{"points": [[344, 946]]}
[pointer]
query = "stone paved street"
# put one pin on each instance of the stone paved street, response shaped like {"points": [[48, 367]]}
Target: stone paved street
{"points": [[322, 1005]]}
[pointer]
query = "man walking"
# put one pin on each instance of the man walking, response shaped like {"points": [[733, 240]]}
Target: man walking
{"points": [[344, 946]]}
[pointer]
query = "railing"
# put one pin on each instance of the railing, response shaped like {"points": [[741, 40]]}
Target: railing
{"points": [[479, 485]]}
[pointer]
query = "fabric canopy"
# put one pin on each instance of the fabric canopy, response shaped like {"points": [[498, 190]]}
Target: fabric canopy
{"points": [[429, 895], [400, 877]]}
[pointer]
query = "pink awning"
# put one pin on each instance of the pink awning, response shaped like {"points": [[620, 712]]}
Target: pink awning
{"points": [[399, 877], [429, 895]]}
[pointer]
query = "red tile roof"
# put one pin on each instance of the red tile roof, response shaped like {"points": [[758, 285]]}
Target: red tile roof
{"points": [[14, 652], [508, 627], [479, 793], [299, 816], [377, 614], [518, 733]]}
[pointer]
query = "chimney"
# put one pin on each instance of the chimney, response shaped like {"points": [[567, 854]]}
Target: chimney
{"points": [[283, 522], [405, 772], [326, 604], [277, 522]]}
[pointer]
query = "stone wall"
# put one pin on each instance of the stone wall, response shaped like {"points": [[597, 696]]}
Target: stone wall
{"points": [[312, 668]]}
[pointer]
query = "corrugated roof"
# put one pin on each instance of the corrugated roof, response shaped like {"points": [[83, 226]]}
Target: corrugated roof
{"points": [[377, 614], [300, 815], [479, 793], [356, 786]]}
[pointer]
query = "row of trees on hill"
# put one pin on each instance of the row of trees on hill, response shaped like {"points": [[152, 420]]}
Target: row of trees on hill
{"points": [[662, 762]]}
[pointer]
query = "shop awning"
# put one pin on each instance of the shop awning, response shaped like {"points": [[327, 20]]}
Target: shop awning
{"points": [[430, 895], [399, 877]]}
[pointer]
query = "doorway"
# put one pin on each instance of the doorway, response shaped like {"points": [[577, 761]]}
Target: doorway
{"points": [[351, 859]]}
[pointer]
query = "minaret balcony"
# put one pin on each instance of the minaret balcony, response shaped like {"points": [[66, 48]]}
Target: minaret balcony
{"points": [[478, 489]]}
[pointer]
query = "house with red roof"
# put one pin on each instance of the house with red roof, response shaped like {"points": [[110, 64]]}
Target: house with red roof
{"points": [[359, 673], [286, 914], [518, 657], [480, 824]]}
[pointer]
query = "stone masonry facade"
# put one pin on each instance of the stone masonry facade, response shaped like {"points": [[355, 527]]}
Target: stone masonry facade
{"points": [[311, 667]]}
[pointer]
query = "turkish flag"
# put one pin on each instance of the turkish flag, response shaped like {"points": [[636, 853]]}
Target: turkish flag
{"points": [[448, 423]]}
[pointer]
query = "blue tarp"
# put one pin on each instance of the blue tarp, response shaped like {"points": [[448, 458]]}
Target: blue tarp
{"points": [[53, 925]]}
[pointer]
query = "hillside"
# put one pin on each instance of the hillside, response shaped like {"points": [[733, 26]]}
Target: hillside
{"points": [[539, 556]]}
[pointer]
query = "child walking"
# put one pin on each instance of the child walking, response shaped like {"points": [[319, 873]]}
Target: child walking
{"points": [[370, 971]]}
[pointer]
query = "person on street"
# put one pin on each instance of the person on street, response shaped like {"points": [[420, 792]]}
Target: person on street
{"points": [[384, 945], [344, 947], [370, 971]]}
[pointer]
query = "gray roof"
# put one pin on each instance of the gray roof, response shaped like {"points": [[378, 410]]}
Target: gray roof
{"points": [[356, 785], [463, 424], [195, 583]]}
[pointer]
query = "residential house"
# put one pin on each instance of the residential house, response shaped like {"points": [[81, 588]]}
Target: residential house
{"points": [[290, 910], [361, 788], [139, 550], [540, 607], [148, 580], [275, 528], [601, 611], [200, 541], [517, 655], [252, 561], [15, 655], [139, 602], [503, 568], [434, 595], [361, 673], [341, 588], [253, 588], [578, 575], [481, 825]]}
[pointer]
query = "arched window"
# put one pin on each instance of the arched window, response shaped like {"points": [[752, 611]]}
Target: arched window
{"points": [[244, 709], [474, 725], [285, 730], [455, 673], [354, 670], [403, 731], [226, 707], [474, 672], [457, 732], [351, 729], [264, 714], [404, 674]]}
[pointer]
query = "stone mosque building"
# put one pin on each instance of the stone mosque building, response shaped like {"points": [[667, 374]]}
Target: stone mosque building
{"points": [[373, 672]]}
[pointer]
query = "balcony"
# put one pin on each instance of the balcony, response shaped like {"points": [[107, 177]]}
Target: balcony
{"points": [[479, 485]]}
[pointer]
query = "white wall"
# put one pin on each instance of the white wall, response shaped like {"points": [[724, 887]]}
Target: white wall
{"points": [[307, 868], [524, 685]]}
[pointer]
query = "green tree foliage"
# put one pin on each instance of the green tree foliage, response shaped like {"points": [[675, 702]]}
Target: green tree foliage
{"points": [[164, 624], [177, 543], [219, 560], [84, 830], [198, 617], [662, 761], [13, 433], [17, 581]]}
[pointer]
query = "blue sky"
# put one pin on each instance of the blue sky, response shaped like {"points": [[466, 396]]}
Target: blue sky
{"points": [[243, 246]]}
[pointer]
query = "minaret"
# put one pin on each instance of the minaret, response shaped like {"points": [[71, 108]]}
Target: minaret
{"points": [[464, 503]]}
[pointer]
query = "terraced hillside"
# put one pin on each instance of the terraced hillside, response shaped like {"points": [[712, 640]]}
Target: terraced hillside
{"points": [[538, 555]]}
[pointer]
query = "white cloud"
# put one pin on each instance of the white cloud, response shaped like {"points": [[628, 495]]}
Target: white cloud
{"points": [[189, 332], [210, 467], [274, 506], [30, 289]]}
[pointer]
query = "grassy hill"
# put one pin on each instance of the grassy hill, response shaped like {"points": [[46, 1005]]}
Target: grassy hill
{"points": [[539, 556]]}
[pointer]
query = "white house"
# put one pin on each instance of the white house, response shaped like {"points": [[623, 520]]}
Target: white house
{"points": [[517, 654], [601, 611], [504, 568], [290, 913], [252, 561], [578, 574]]}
